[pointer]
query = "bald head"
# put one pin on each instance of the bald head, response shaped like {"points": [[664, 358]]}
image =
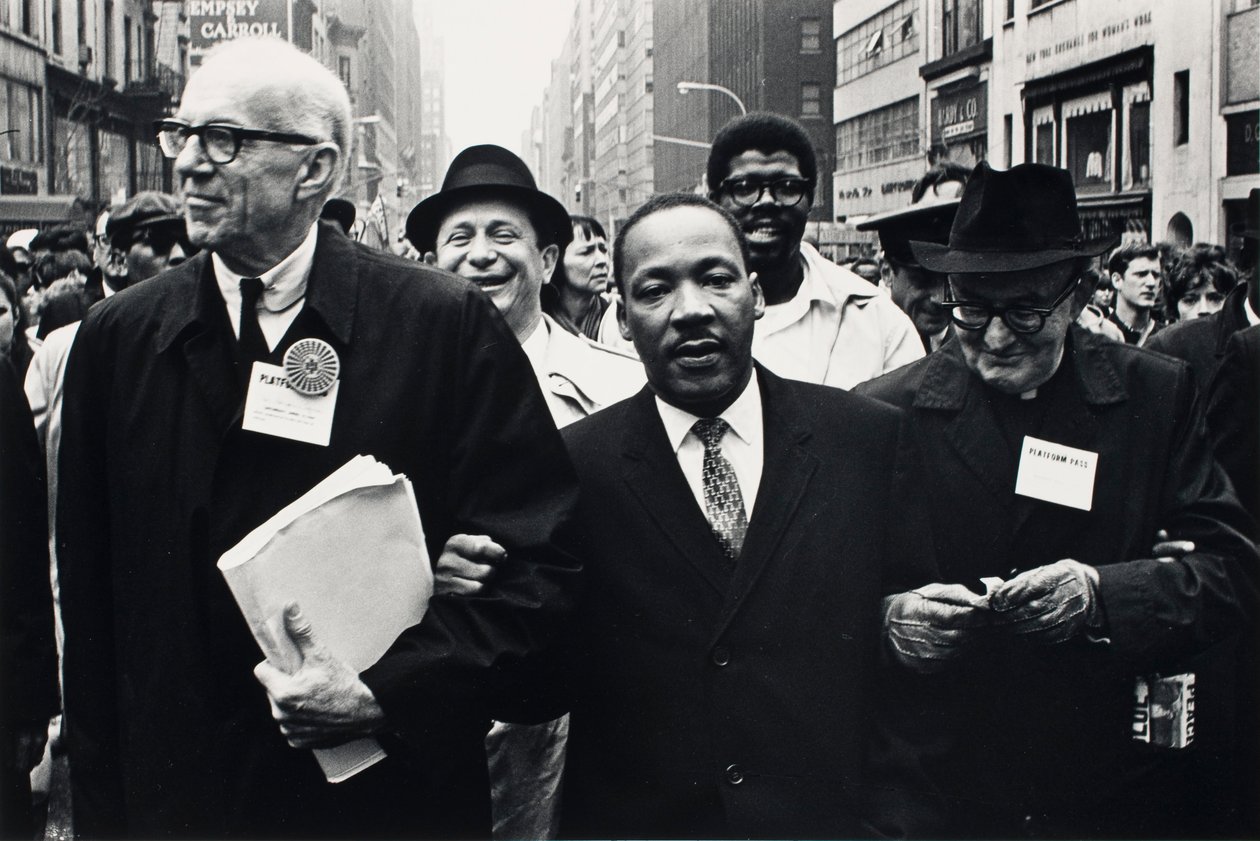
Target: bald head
{"points": [[287, 90]]}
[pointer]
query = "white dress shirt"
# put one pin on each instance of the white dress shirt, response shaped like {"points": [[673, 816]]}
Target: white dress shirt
{"points": [[743, 444], [284, 289]]}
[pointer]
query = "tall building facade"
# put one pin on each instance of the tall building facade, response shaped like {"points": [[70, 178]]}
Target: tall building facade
{"points": [[774, 55], [80, 85], [434, 144]]}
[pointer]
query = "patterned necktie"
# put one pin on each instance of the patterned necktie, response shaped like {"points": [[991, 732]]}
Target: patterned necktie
{"points": [[723, 502], [253, 343]]}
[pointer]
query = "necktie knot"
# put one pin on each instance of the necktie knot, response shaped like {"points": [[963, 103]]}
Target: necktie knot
{"points": [[710, 431], [251, 291]]}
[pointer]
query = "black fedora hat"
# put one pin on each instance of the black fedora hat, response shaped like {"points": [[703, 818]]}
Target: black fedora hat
{"points": [[1008, 221], [493, 171], [341, 211], [927, 221]]}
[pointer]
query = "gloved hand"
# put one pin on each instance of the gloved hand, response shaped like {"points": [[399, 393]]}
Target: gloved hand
{"points": [[1049, 604], [928, 627]]}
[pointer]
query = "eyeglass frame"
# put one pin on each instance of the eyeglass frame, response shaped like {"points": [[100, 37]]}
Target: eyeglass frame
{"points": [[239, 135], [1002, 312], [807, 186]]}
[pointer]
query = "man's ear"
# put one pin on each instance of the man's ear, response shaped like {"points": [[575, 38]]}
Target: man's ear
{"points": [[759, 298], [1116, 280], [622, 326], [550, 256], [320, 172]]}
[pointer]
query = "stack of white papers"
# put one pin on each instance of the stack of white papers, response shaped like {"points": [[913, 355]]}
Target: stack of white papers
{"points": [[351, 553]]}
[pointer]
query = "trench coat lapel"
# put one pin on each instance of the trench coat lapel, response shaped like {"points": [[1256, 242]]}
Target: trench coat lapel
{"points": [[971, 433], [652, 473], [198, 335], [787, 469]]}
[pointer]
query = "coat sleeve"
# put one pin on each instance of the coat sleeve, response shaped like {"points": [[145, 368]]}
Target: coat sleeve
{"points": [[29, 666], [1159, 612], [91, 726], [509, 478], [1233, 417]]}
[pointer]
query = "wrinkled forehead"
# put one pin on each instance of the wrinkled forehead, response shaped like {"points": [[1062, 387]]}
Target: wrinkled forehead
{"points": [[220, 92], [485, 212]]}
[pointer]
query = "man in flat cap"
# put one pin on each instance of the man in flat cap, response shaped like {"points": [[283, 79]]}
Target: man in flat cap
{"points": [[491, 225], [1071, 677], [173, 726], [149, 230]]}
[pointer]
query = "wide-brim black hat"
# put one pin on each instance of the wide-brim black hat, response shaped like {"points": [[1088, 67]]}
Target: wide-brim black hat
{"points": [[490, 171], [341, 211], [1011, 220]]}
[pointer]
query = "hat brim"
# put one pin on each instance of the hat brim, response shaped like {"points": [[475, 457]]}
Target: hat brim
{"points": [[942, 258], [910, 213], [426, 217]]}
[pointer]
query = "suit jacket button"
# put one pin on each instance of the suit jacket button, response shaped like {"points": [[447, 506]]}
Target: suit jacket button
{"points": [[734, 774], [721, 656]]}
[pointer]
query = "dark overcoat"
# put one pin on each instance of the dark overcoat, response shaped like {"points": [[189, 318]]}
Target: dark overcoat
{"points": [[169, 732], [1044, 740], [711, 702]]}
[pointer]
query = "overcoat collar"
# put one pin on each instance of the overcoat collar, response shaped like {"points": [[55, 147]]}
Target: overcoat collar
{"points": [[651, 470], [973, 433], [331, 291]]}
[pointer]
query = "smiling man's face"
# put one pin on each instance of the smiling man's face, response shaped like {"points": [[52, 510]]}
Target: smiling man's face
{"points": [[774, 230], [689, 307], [492, 242]]}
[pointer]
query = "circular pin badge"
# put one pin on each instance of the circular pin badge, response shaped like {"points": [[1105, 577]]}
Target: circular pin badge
{"points": [[311, 366]]}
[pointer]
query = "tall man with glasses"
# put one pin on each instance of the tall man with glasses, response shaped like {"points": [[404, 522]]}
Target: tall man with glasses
{"points": [[170, 732], [1078, 668], [823, 324]]}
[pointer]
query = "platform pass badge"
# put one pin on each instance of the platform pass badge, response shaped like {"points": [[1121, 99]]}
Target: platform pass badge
{"points": [[296, 400]]}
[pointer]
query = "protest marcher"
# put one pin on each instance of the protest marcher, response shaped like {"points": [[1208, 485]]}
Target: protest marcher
{"points": [[1197, 283], [1136, 271], [575, 295], [1202, 341], [169, 731], [491, 225], [917, 291], [109, 272], [148, 229], [28, 658], [1054, 458], [724, 659], [823, 324], [1093, 292], [14, 343]]}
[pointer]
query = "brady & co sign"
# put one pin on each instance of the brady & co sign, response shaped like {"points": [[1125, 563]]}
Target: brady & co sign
{"points": [[212, 21], [960, 113]]}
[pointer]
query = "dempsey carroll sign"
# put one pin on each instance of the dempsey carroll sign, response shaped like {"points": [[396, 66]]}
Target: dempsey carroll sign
{"points": [[212, 21]]}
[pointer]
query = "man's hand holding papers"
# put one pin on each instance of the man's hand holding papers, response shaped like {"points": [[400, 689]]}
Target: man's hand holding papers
{"points": [[323, 703]]}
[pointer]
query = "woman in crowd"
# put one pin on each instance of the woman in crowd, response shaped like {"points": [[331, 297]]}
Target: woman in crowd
{"points": [[1198, 282], [13, 341], [575, 296]]}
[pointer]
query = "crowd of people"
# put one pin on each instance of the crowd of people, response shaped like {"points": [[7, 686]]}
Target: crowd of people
{"points": [[732, 541]]}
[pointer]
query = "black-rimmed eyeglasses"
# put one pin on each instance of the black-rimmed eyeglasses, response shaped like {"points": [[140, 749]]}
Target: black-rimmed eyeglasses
{"points": [[221, 141], [746, 192], [1020, 319]]}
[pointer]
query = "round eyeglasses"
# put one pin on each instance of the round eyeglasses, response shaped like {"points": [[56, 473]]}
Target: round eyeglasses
{"points": [[221, 141], [1020, 319], [746, 192]]}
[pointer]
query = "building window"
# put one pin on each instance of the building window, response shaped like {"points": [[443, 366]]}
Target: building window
{"points": [[126, 48], [811, 35], [1036, 4], [107, 60], [1043, 150], [1008, 140], [811, 99], [56, 26], [343, 70], [877, 41], [1181, 107], [1010, 10], [21, 108], [886, 134], [1139, 160], [28, 17], [961, 25], [1087, 142]]}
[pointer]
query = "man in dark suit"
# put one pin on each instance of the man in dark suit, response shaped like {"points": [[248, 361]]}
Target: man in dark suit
{"points": [[1080, 673], [169, 732], [738, 532]]}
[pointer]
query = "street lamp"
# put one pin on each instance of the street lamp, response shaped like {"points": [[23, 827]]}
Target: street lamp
{"points": [[684, 87]]}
